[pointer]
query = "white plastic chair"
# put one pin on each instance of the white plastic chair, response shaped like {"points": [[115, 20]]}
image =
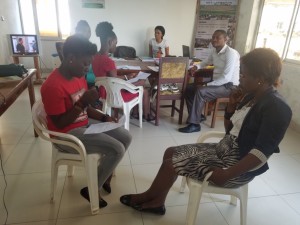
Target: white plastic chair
{"points": [[89, 161], [197, 188], [113, 87]]}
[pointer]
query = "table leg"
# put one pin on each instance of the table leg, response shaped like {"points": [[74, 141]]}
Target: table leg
{"points": [[38, 79], [31, 97]]}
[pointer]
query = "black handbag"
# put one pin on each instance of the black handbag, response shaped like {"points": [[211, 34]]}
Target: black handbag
{"points": [[12, 70]]}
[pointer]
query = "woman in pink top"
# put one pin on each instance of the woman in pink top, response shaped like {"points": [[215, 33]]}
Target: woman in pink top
{"points": [[103, 65]]}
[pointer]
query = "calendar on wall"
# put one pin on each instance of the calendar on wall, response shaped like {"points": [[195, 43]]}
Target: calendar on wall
{"points": [[214, 15]]}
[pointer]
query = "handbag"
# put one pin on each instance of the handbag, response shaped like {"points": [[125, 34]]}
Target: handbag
{"points": [[12, 70]]}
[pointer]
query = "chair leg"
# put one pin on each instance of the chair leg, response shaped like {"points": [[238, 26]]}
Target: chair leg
{"points": [[173, 108], [127, 116], [214, 116], [141, 114], [157, 111], [183, 184], [54, 172], [244, 204], [181, 111], [92, 179], [194, 201], [233, 200]]}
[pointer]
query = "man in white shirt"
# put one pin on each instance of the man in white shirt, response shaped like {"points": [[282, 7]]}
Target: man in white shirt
{"points": [[225, 78]]}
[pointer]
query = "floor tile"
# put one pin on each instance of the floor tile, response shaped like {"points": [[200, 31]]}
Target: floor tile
{"points": [[72, 204], [30, 158], [208, 214], [293, 200], [27, 197], [149, 149], [127, 218]]}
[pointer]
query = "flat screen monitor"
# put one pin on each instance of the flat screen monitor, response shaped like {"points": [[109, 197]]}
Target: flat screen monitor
{"points": [[185, 51], [24, 44]]}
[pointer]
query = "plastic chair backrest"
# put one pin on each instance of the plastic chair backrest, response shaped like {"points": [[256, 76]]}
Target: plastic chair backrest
{"points": [[39, 119], [113, 87]]}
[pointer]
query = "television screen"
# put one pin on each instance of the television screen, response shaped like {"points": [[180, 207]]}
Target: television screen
{"points": [[24, 44]]}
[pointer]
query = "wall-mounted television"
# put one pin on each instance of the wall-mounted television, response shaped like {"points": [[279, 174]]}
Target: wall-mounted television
{"points": [[24, 44]]}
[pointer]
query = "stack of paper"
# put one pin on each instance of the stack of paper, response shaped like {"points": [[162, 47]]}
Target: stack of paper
{"points": [[127, 67], [140, 76], [154, 68], [146, 59]]}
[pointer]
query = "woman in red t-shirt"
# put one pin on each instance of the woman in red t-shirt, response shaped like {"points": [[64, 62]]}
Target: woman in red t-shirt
{"points": [[103, 65]]}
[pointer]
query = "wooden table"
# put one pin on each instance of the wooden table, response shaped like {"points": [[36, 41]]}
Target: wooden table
{"points": [[38, 79], [11, 90], [134, 62]]}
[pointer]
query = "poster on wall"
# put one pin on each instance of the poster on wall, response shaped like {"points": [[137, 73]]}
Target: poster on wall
{"points": [[93, 4], [214, 15]]}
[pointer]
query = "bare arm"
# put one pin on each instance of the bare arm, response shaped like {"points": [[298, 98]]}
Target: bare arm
{"points": [[167, 51], [150, 51], [220, 176]]}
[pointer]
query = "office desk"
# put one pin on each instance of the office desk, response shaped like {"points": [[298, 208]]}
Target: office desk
{"points": [[134, 62], [11, 90]]}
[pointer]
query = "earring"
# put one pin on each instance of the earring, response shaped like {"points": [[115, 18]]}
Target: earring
{"points": [[259, 83]]}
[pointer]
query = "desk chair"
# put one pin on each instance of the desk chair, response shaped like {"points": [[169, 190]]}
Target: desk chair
{"points": [[171, 70], [198, 187], [59, 48], [125, 52], [89, 161], [113, 87]]}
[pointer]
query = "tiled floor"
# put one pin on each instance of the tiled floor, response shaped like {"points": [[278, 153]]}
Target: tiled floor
{"points": [[274, 197]]}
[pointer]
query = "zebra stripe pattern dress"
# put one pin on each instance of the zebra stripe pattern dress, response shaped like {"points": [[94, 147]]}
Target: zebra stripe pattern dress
{"points": [[195, 160]]}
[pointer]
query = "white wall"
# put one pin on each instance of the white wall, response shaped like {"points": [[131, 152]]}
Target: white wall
{"points": [[9, 9], [134, 21]]}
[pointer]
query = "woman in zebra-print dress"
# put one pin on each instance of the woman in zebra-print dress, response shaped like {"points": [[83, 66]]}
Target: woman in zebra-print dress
{"points": [[253, 135]]}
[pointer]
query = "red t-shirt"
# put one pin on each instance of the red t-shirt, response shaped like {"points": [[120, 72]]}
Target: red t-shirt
{"points": [[102, 64], [59, 95]]}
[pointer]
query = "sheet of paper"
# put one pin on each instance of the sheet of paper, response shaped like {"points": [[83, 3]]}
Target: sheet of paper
{"points": [[127, 67], [103, 127], [154, 68], [141, 76]]}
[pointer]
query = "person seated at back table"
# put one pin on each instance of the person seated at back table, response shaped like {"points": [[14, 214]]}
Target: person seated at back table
{"points": [[255, 127], [158, 46], [83, 28], [103, 66], [225, 78], [67, 105]]}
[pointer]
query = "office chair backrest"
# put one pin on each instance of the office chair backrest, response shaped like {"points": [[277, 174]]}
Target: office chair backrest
{"points": [[125, 52]]}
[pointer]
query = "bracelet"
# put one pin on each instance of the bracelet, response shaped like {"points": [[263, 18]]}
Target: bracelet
{"points": [[126, 78]]}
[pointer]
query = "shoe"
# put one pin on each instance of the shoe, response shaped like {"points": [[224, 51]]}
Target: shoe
{"points": [[174, 88], [164, 87], [190, 128], [106, 187], [157, 210], [203, 118], [126, 200], [149, 118], [84, 192]]}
